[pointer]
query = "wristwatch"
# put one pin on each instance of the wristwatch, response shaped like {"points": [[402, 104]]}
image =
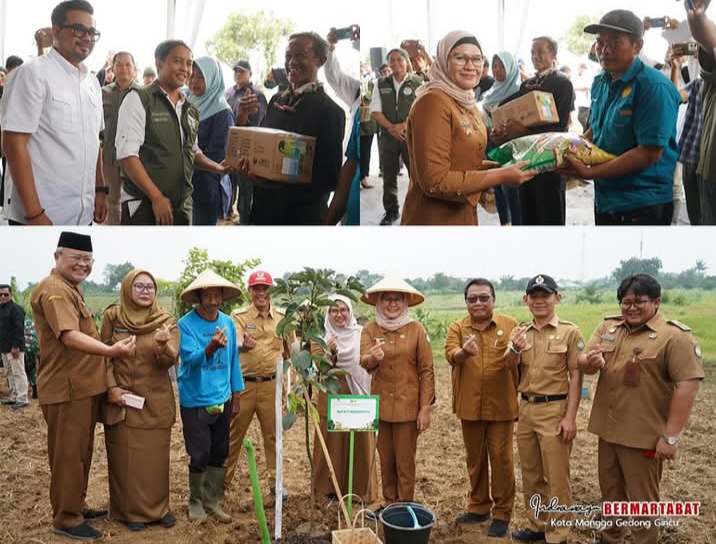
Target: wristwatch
{"points": [[670, 440], [101, 189], [514, 349]]}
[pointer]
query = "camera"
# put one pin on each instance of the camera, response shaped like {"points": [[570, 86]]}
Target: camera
{"points": [[351, 32]]}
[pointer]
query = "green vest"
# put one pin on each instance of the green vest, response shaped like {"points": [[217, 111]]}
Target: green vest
{"points": [[396, 110], [168, 161]]}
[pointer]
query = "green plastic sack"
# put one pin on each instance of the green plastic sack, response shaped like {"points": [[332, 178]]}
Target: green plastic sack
{"points": [[545, 151]]}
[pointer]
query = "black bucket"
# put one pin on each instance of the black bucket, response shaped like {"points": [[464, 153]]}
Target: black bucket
{"points": [[398, 524]]}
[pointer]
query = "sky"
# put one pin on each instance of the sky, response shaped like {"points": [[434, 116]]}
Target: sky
{"points": [[567, 253], [139, 25]]}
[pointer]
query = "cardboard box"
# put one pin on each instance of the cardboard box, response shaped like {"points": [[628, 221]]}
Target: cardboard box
{"points": [[274, 154], [532, 109]]}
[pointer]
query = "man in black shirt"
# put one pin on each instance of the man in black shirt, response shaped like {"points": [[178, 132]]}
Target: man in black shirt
{"points": [[486, 81], [542, 198], [304, 108], [12, 348]]}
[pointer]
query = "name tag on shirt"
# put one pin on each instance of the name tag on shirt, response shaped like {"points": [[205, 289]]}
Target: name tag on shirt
{"points": [[160, 117], [251, 327]]}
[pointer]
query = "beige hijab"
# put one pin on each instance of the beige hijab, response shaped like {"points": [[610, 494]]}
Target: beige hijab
{"points": [[348, 341], [137, 319], [438, 72], [392, 324]]}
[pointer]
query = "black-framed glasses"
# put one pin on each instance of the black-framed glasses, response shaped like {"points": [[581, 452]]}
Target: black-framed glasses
{"points": [[141, 287], [79, 31], [638, 304], [472, 299]]}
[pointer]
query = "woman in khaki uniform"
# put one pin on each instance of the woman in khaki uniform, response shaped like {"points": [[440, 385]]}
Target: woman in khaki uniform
{"points": [[343, 336], [138, 439], [447, 141], [396, 350]]}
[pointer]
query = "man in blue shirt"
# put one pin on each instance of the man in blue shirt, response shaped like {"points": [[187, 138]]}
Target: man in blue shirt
{"points": [[209, 382], [633, 116]]}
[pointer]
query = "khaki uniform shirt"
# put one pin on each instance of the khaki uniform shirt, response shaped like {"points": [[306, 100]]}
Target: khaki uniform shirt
{"points": [[483, 388], [636, 416], [144, 373], [405, 379], [260, 360], [550, 354], [64, 374]]}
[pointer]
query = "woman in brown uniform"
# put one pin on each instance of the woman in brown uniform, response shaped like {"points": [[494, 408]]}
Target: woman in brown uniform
{"points": [[138, 439], [446, 141], [343, 336], [396, 350]]}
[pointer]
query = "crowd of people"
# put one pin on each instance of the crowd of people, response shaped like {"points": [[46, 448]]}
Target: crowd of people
{"points": [[649, 369], [156, 153], [435, 114]]}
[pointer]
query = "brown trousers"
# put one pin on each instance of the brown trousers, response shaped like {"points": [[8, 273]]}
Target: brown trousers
{"points": [[545, 464], [138, 464], [625, 474], [258, 398], [490, 440], [70, 442], [114, 180], [397, 446]]}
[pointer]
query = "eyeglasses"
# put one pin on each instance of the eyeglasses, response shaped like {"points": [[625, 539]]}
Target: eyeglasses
{"points": [[462, 60], [3, 295], [626, 304], [79, 31], [77, 259], [141, 287], [472, 299], [334, 311]]}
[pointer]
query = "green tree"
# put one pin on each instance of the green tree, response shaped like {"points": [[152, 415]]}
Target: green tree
{"points": [[114, 273], [196, 262], [577, 41], [636, 265], [305, 295], [245, 33]]}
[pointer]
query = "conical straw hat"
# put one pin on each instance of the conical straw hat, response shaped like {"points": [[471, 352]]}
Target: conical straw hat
{"points": [[393, 284], [209, 278]]}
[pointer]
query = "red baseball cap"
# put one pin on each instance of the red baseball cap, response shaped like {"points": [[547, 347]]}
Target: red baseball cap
{"points": [[260, 278]]}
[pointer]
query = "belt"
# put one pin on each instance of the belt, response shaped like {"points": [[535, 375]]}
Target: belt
{"points": [[543, 398], [260, 379]]}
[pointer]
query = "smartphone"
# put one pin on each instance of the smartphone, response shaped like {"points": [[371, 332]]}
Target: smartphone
{"points": [[685, 49], [658, 22], [351, 32], [411, 46]]}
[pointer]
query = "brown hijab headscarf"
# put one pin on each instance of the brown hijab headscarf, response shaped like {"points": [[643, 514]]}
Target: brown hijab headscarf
{"points": [[137, 319]]}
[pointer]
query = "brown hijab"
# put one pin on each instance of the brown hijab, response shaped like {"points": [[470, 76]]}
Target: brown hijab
{"points": [[135, 318]]}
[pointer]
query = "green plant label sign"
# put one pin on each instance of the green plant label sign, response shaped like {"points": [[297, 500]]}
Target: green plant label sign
{"points": [[353, 413]]}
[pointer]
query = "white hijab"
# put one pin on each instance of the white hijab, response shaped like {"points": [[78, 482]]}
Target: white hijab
{"points": [[392, 324], [348, 342]]}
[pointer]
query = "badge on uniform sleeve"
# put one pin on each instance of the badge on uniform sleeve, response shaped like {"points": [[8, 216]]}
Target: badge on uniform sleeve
{"points": [[407, 91], [609, 337], [697, 351], [580, 345]]}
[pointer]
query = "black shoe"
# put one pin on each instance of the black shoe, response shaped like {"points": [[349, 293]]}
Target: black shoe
{"points": [[19, 405], [469, 517], [135, 525], [84, 531], [390, 217], [7, 402], [528, 535], [168, 520], [498, 528], [94, 514]]}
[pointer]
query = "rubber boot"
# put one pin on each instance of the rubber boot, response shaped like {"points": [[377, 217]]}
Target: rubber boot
{"points": [[34, 391], [214, 492], [196, 495]]}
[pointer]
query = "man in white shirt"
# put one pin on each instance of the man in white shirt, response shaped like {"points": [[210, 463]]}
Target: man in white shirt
{"points": [[51, 117]]}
